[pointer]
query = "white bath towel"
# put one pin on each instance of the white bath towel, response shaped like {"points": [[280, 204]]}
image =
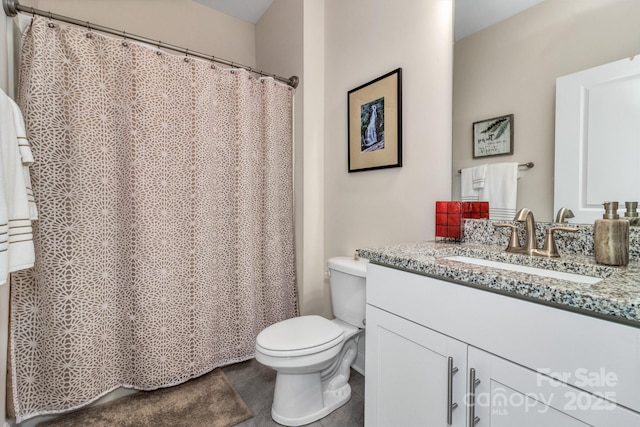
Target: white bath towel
{"points": [[17, 206], [467, 192], [501, 190]]}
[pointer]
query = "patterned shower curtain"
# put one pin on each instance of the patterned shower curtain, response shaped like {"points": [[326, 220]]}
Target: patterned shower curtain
{"points": [[165, 239]]}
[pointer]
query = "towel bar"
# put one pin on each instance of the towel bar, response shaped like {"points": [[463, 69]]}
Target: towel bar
{"points": [[528, 165]]}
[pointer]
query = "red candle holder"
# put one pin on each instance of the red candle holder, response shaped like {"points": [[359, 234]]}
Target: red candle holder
{"points": [[450, 216]]}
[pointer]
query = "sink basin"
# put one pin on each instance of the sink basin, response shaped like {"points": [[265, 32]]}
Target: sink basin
{"points": [[572, 277]]}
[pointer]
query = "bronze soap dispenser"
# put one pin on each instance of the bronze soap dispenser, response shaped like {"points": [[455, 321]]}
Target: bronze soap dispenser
{"points": [[611, 237]]}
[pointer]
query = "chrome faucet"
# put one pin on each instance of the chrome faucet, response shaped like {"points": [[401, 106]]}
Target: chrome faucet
{"points": [[530, 246]]}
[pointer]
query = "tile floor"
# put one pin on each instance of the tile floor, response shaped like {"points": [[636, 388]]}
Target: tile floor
{"points": [[255, 383]]}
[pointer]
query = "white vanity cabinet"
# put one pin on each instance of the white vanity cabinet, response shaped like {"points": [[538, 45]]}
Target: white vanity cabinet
{"points": [[398, 394], [427, 338]]}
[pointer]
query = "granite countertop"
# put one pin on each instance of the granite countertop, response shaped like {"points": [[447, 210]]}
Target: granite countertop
{"points": [[616, 297]]}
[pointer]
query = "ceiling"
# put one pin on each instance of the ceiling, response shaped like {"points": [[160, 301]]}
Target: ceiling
{"points": [[470, 15], [474, 15], [247, 10]]}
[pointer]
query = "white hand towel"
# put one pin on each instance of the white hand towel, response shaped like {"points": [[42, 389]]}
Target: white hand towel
{"points": [[16, 240], [26, 157], [478, 174], [501, 190], [467, 192]]}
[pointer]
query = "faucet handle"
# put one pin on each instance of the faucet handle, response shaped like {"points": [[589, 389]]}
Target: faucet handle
{"points": [[514, 241], [563, 215], [562, 228], [550, 248]]}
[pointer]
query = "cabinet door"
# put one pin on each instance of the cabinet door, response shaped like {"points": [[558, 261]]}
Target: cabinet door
{"points": [[408, 370], [510, 395]]}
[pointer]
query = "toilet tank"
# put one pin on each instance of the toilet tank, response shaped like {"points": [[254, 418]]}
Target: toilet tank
{"points": [[347, 278]]}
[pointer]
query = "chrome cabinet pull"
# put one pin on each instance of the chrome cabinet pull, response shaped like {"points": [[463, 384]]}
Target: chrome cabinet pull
{"points": [[451, 405], [473, 383]]}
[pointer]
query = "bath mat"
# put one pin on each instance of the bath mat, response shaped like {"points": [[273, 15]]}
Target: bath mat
{"points": [[209, 400]]}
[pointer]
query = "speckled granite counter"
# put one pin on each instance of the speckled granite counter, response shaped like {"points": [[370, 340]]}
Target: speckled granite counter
{"points": [[616, 297]]}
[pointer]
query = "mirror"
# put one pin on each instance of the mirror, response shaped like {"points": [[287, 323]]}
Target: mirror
{"points": [[598, 140], [511, 67]]}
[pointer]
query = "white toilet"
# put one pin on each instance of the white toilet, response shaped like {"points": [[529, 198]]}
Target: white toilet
{"points": [[313, 355]]}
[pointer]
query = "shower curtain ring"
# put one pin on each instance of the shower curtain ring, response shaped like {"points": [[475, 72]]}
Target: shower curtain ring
{"points": [[125, 43], [213, 62], [89, 35], [49, 24], [186, 56], [159, 52]]}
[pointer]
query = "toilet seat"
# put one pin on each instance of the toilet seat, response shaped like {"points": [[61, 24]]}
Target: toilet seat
{"points": [[299, 336]]}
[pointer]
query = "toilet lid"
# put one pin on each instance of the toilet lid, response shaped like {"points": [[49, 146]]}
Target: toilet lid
{"points": [[300, 336]]}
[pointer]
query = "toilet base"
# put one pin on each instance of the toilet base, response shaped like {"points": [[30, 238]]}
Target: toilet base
{"points": [[300, 399], [333, 399]]}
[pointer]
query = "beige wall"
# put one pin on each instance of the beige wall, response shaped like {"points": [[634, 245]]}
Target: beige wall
{"points": [[313, 295], [345, 44], [289, 42], [512, 67], [364, 40]]}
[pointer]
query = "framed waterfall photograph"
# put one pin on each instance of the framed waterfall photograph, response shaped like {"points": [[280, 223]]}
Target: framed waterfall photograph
{"points": [[493, 137], [375, 124]]}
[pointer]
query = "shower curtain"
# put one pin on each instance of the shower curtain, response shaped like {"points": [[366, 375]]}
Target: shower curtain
{"points": [[165, 239]]}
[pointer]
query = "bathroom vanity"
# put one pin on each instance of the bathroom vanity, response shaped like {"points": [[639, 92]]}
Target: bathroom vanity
{"points": [[451, 342]]}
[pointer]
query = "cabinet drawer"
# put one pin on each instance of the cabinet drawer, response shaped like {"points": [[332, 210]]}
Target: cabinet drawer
{"points": [[592, 354]]}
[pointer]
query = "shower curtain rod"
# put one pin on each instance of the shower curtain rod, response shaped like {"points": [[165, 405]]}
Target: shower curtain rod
{"points": [[12, 7]]}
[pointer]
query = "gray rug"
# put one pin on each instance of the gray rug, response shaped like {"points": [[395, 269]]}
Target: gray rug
{"points": [[207, 401]]}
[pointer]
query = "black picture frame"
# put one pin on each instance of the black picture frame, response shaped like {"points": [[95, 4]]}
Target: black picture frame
{"points": [[493, 137], [374, 112]]}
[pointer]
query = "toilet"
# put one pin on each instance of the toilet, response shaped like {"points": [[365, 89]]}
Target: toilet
{"points": [[313, 355]]}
